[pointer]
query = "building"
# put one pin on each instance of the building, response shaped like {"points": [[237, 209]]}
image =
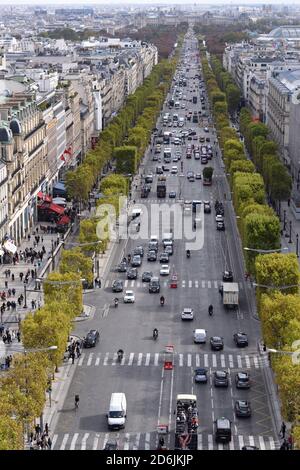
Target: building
{"points": [[3, 200]]}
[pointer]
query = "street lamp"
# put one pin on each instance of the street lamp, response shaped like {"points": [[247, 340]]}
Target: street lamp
{"points": [[284, 220], [297, 245], [257, 250], [290, 240], [275, 287]]}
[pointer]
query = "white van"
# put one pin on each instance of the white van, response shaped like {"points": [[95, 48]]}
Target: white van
{"points": [[199, 336], [116, 416]]}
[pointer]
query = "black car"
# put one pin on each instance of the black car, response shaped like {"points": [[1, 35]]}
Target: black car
{"points": [[220, 226], [242, 409], [172, 194], [216, 343], [136, 261], [146, 276], [227, 276], [91, 339], [122, 267], [117, 286], [152, 255], [221, 378], [240, 339], [132, 273], [207, 207], [200, 375], [111, 445], [242, 380], [164, 258], [139, 250], [153, 246]]}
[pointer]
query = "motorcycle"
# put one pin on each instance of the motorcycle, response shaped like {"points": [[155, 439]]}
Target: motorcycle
{"points": [[162, 301], [116, 301], [155, 334], [120, 354], [210, 310], [188, 253]]}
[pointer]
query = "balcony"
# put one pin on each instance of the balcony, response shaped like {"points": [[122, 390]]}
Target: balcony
{"points": [[36, 148], [16, 188], [15, 172]]}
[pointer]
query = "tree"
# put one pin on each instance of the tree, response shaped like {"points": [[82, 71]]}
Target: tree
{"points": [[80, 182], [11, 432], [65, 287], [288, 380], [74, 261], [126, 158], [276, 269], [244, 166], [233, 96]]}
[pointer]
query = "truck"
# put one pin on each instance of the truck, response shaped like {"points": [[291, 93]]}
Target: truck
{"points": [[166, 138], [194, 99], [230, 293], [161, 188], [186, 425]]}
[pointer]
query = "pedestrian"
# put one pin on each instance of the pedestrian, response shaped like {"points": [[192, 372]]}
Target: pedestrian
{"points": [[4, 339], [73, 357], [290, 442], [46, 429], [37, 430], [282, 430], [1, 329], [49, 442], [12, 277], [29, 237], [19, 301], [13, 291], [42, 239], [9, 340], [6, 284], [18, 336]]}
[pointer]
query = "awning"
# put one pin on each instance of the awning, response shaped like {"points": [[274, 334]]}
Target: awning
{"points": [[64, 220], [10, 247], [44, 197], [55, 208], [60, 186]]}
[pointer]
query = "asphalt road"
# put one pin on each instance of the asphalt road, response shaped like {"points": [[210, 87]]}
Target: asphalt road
{"points": [[150, 390]]}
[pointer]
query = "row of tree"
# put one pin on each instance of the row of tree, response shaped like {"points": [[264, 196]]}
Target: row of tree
{"points": [[258, 224]]}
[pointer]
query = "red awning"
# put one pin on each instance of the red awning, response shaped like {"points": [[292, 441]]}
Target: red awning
{"points": [[44, 197], [55, 208], [64, 220]]}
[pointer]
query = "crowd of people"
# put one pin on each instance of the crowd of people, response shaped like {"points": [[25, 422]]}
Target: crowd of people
{"points": [[40, 440]]}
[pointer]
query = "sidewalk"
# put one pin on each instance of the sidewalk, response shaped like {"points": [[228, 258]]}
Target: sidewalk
{"points": [[34, 267], [290, 226]]}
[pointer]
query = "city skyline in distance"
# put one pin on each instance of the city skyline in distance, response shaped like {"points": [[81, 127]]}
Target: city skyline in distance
{"points": [[150, 3]]}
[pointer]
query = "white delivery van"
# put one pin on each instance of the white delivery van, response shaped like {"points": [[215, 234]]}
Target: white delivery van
{"points": [[116, 416], [199, 336]]}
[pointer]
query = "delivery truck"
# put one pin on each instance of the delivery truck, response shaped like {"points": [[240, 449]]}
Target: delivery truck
{"points": [[230, 293]]}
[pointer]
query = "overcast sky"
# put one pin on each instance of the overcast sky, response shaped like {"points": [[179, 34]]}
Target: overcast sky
{"points": [[147, 2]]}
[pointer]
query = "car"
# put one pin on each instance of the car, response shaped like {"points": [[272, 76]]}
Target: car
{"points": [[220, 226], [164, 257], [165, 168], [152, 255], [122, 267], [242, 409], [202, 139], [219, 218], [216, 343], [91, 339], [129, 297], [206, 128], [204, 159], [136, 261], [153, 246], [169, 249], [227, 276], [159, 170], [172, 194], [207, 207], [154, 285], [164, 270], [174, 170], [223, 430], [175, 159], [112, 444], [198, 176], [221, 378], [240, 339], [139, 250], [146, 276], [187, 314], [117, 286], [155, 158], [197, 156], [132, 273], [200, 375], [190, 174], [242, 380]]}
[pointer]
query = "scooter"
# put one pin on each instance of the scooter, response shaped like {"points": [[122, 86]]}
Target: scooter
{"points": [[162, 302], [188, 253], [116, 302], [155, 334]]}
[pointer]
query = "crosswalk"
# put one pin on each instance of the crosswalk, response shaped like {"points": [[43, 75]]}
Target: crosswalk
{"points": [[148, 441], [212, 360], [185, 284]]}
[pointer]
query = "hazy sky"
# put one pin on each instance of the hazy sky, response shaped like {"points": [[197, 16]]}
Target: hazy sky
{"points": [[148, 2]]}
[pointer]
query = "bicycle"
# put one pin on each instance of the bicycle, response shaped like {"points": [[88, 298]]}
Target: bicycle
{"points": [[76, 402]]}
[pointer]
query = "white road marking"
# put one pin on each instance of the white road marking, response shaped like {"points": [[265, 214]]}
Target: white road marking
{"points": [[220, 447], [114, 361], [147, 441], [189, 360], [84, 439], [239, 361], [231, 445], [241, 441], [107, 283], [106, 359], [130, 361], [205, 360], [137, 441], [210, 442], [251, 441], [230, 360], [81, 359], [54, 439], [248, 365], [64, 442], [214, 360], [132, 283], [209, 284], [180, 360], [147, 362], [126, 283], [261, 443], [140, 357], [200, 444], [89, 362], [126, 443], [183, 283], [222, 360], [95, 443], [216, 284], [156, 357], [197, 360], [138, 284], [256, 364], [190, 283], [272, 443]]}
